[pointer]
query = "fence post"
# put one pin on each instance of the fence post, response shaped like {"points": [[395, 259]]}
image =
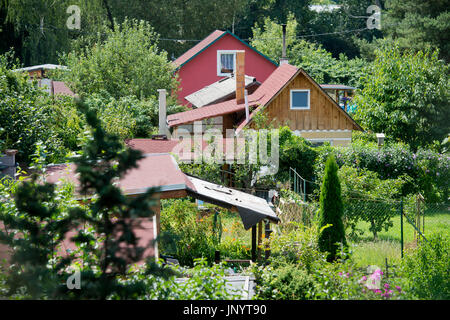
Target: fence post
{"points": [[401, 225], [387, 268], [217, 256], [254, 243], [304, 190]]}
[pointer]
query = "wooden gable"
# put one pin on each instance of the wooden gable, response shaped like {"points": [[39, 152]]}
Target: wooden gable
{"points": [[324, 112]]}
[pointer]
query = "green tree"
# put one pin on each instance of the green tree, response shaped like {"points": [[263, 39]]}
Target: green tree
{"points": [[405, 95], [332, 230], [127, 62], [38, 30], [310, 56], [29, 115], [40, 217], [419, 25], [178, 19]]}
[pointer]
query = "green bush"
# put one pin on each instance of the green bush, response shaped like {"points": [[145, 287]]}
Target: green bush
{"points": [[234, 248], [29, 115], [200, 283], [286, 282], [126, 62], [331, 211], [297, 153], [296, 245], [405, 95], [429, 171], [186, 235], [427, 268], [368, 198]]}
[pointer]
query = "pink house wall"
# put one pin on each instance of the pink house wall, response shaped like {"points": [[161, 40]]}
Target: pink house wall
{"points": [[202, 69]]}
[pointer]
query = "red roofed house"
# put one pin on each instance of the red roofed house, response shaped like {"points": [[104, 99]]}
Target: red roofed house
{"points": [[289, 96], [213, 59]]}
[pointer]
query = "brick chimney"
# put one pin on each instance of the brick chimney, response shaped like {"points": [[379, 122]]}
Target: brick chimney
{"points": [[8, 163], [240, 76]]}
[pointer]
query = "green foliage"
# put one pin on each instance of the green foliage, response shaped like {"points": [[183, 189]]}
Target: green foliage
{"points": [[297, 153], [419, 24], [206, 283], [107, 245], [368, 198], [297, 245], [344, 281], [29, 115], [186, 235], [331, 211], [39, 45], [315, 60], [286, 282], [198, 283], [289, 277], [426, 269], [234, 248], [37, 217], [424, 171], [405, 95], [127, 62], [179, 19]]}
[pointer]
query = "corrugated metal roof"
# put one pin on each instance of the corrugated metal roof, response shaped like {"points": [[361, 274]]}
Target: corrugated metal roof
{"points": [[216, 91], [47, 66], [252, 209], [336, 87]]}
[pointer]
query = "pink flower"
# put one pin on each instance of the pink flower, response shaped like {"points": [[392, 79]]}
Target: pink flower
{"points": [[386, 285]]}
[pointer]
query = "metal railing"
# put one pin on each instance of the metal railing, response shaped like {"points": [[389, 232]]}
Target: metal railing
{"points": [[297, 183]]}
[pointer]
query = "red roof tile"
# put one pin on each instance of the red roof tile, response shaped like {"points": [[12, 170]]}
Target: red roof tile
{"points": [[198, 47], [152, 145], [274, 83], [155, 170], [148, 146], [270, 88], [210, 111]]}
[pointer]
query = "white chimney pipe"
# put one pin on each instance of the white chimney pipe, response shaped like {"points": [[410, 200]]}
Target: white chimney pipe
{"points": [[247, 111], [283, 59], [162, 112]]}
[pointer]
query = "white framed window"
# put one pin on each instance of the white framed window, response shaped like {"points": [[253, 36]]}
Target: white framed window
{"points": [[226, 62], [300, 99]]}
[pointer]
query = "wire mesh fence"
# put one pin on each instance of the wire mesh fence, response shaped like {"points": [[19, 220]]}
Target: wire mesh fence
{"points": [[390, 225]]}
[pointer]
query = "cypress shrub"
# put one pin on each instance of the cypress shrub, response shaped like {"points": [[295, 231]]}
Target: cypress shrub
{"points": [[331, 211]]}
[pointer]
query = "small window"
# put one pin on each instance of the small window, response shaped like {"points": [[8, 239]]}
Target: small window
{"points": [[226, 60], [300, 99]]}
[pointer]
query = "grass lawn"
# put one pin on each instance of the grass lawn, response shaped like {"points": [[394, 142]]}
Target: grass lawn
{"points": [[365, 250], [369, 252]]}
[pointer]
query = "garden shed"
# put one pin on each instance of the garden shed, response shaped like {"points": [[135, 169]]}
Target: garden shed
{"points": [[162, 172]]}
